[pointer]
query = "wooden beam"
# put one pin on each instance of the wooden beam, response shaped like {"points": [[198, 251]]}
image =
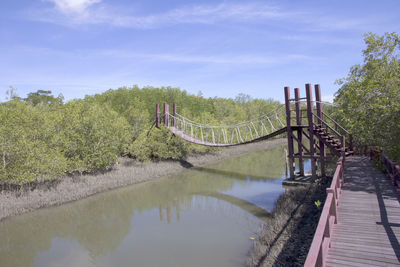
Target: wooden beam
{"points": [[174, 115], [310, 118], [299, 131], [166, 112], [319, 114], [289, 132], [158, 115]]}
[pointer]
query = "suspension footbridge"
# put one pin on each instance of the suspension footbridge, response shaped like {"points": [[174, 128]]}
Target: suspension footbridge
{"points": [[257, 129]]}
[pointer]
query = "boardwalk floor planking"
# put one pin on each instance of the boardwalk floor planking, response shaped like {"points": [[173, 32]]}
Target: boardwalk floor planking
{"points": [[368, 229]]}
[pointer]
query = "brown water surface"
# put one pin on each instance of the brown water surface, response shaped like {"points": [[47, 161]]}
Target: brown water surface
{"points": [[201, 217]]}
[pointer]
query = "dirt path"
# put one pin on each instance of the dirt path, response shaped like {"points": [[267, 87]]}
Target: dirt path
{"points": [[127, 172]]}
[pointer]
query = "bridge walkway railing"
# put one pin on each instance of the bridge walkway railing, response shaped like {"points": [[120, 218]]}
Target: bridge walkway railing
{"points": [[358, 216]]}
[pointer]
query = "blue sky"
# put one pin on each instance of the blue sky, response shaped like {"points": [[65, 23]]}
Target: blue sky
{"points": [[222, 48]]}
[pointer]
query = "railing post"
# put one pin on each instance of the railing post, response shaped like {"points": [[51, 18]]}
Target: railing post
{"points": [[351, 142], [319, 114], [318, 102], [343, 151], [341, 173], [299, 131], [158, 115], [289, 132], [311, 129], [166, 112], [174, 115], [333, 209]]}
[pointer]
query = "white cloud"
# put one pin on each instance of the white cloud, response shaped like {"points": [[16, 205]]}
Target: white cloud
{"points": [[77, 12], [97, 12], [209, 59], [73, 6]]}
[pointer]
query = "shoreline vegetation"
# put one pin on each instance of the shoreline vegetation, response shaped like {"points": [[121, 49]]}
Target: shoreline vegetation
{"points": [[42, 138], [126, 172]]}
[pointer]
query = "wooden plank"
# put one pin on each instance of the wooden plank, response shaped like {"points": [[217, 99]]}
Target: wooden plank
{"points": [[363, 260], [367, 233], [365, 250], [364, 235], [376, 255], [351, 246], [356, 262], [367, 239]]}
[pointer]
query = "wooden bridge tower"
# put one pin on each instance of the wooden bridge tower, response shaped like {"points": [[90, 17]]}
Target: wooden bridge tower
{"points": [[315, 151]]}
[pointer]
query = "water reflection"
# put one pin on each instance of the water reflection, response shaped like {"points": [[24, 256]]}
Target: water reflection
{"points": [[175, 221]]}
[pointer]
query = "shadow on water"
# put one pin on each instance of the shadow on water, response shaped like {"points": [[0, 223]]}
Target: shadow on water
{"points": [[233, 175], [104, 224], [255, 210]]}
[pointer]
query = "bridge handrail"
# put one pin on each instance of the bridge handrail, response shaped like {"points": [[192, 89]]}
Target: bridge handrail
{"points": [[392, 168], [319, 247], [224, 135], [325, 103], [264, 116], [336, 124], [313, 101]]}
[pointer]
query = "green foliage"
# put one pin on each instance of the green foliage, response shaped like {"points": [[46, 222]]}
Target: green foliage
{"points": [[27, 147], [159, 144], [43, 97], [92, 136], [44, 141], [318, 204], [43, 138], [369, 97], [377, 163]]}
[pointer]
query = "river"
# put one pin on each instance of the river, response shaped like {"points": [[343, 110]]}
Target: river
{"points": [[201, 217]]}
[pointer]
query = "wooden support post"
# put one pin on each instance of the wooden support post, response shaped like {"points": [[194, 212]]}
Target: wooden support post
{"points": [[300, 131], [174, 115], [289, 133], [158, 115], [343, 152], [166, 112], [311, 129], [351, 143], [322, 152]]}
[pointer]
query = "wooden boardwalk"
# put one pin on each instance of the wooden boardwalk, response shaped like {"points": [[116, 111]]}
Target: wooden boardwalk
{"points": [[368, 228]]}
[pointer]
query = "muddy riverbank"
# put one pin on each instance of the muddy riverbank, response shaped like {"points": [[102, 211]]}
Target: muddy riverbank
{"points": [[285, 239], [125, 173]]}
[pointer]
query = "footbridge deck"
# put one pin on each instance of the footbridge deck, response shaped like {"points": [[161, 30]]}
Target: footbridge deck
{"points": [[367, 232]]}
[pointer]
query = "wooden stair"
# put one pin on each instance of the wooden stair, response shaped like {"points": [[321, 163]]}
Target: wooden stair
{"points": [[331, 142]]}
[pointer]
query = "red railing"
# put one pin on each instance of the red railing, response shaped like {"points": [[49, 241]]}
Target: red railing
{"points": [[321, 242], [392, 169], [322, 238]]}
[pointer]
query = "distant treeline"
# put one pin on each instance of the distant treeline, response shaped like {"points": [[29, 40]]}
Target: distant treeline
{"points": [[43, 138]]}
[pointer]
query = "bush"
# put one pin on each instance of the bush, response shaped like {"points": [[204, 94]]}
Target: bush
{"points": [[27, 145], [46, 141], [92, 136], [159, 144]]}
